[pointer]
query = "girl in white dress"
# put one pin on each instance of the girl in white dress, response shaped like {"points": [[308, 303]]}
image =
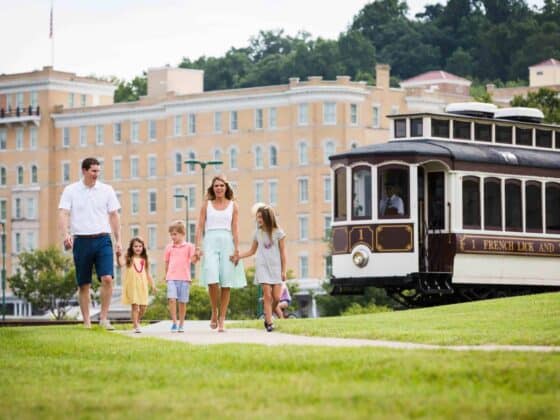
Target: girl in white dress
{"points": [[270, 262]]}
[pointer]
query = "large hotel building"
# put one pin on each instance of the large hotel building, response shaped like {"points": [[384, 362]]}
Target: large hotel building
{"points": [[274, 142]]}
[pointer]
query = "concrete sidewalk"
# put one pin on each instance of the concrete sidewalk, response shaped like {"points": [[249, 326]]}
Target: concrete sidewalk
{"points": [[199, 333]]}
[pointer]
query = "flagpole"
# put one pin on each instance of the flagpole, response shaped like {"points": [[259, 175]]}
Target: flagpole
{"points": [[51, 34]]}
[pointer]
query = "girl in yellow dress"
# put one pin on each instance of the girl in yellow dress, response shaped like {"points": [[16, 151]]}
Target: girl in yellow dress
{"points": [[136, 277]]}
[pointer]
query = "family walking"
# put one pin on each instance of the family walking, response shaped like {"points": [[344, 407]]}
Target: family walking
{"points": [[89, 213]]}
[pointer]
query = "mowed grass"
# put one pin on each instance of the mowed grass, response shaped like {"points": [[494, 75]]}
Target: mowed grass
{"points": [[532, 320], [69, 372]]}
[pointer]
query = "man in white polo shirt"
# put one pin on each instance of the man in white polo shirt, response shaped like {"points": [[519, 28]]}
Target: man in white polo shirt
{"points": [[88, 212]]}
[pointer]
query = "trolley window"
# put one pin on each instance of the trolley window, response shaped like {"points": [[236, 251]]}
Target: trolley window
{"points": [[471, 202], [503, 134], [440, 128], [340, 194], [544, 138], [400, 128], [482, 132], [523, 136], [557, 135], [361, 192], [533, 207], [416, 128], [393, 190], [513, 205], [492, 204], [461, 130], [552, 206]]}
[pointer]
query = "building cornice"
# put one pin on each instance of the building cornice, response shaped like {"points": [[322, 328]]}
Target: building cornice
{"points": [[34, 85]]}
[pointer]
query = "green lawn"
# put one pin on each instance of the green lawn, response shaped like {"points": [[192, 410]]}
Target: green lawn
{"points": [[69, 372], [533, 319]]}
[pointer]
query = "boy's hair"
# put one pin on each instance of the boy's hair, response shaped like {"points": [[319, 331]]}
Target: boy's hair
{"points": [[269, 219], [89, 162], [177, 226], [130, 251], [210, 192]]}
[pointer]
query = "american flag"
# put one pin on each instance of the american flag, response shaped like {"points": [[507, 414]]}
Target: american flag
{"points": [[51, 24]]}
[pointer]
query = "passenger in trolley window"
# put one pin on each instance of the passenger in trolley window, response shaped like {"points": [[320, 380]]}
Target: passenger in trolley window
{"points": [[391, 204]]}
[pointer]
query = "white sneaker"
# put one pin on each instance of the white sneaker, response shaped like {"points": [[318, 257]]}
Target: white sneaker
{"points": [[106, 324]]}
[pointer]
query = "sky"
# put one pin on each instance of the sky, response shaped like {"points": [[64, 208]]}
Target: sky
{"points": [[124, 37]]}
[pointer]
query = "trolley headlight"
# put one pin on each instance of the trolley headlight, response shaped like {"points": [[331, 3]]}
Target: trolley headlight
{"points": [[360, 258]]}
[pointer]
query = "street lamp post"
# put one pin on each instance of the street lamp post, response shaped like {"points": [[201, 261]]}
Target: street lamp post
{"points": [[186, 197], [3, 270], [203, 167]]}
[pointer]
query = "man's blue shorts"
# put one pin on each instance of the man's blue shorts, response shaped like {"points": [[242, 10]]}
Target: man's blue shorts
{"points": [[92, 251]]}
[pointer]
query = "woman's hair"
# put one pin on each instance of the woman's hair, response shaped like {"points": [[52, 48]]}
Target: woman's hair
{"points": [[130, 251], [177, 226], [269, 220], [210, 192]]}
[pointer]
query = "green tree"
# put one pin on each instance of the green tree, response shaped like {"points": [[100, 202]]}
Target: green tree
{"points": [[547, 100], [131, 91], [45, 281]]}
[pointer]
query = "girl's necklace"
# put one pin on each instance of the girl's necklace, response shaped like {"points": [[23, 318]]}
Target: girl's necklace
{"points": [[141, 266]]}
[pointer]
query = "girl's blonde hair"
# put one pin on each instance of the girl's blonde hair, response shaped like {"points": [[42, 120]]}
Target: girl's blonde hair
{"points": [[130, 251], [210, 192], [269, 219]]}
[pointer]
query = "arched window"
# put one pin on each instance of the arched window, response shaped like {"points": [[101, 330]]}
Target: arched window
{"points": [[34, 176], [273, 156], [471, 202], [533, 206], [217, 155], [340, 194], [361, 192], [20, 175], [3, 176], [492, 204], [302, 153], [233, 158], [258, 157], [393, 191], [513, 205], [328, 150], [552, 206]]}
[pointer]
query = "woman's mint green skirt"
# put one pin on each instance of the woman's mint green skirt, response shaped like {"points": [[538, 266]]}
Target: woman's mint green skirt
{"points": [[216, 265]]}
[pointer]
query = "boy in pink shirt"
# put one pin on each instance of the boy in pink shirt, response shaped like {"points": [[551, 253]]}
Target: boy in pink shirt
{"points": [[178, 257]]}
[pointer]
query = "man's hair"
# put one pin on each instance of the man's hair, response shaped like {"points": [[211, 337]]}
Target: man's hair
{"points": [[89, 162], [177, 226]]}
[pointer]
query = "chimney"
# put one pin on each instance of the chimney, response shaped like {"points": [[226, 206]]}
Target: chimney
{"points": [[294, 81], [314, 80], [382, 75]]}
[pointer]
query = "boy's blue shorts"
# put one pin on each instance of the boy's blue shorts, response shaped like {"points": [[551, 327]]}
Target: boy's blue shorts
{"points": [[178, 289], [89, 252]]}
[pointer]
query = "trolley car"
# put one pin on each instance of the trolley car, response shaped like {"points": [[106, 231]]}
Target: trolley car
{"points": [[460, 205]]}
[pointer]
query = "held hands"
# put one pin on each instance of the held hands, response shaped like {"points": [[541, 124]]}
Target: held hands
{"points": [[68, 242], [235, 257]]}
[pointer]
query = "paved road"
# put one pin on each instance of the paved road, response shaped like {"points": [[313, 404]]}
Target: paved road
{"points": [[199, 332]]}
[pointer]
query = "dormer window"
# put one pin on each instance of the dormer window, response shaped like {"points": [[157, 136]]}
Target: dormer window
{"points": [[400, 128], [416, 128]]}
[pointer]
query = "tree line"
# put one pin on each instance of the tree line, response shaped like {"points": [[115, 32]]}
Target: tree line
{"points": [[483, 40]]}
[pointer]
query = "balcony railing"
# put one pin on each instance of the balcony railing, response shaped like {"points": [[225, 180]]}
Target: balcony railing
{"points": [[20, 112]]}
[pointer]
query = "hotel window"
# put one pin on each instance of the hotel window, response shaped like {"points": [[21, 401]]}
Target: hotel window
{"points": [[504, 134], [65, 171], [117, 168], [177, 125], [303, 227], [83, 99], [3, 139], [17, 244], [328, 150], [178, 200], [19, 138], [471, 202], [273, 156], [302, 153], [258, 118], [375, 113], [134, 163], [440, 128], [533, 207], [119, 199], [233, 158], [34, 99], [31, 208], [192, 124], [19, 100], [34, 176], [152, 237], [272, 118], [482, 132], [303, 190], [328, 266], [514, 213], [101, 168], [303, 114], [327, 189], [134, 131], [117, 132], [303, 266], [353, 114], [31, 245], [3, 209], [83, 136], [259, 193], [233, 120], [552, 192], [217, 122], [192, 239], [134, 231], [99, 140], [152, 166], [191, 192], [192, 156], [258, 157], [134, 203], [153, 269], [327, 219], [66, 137], [329, 113], [461, 130], [70, 100], [524, 136], [273, 192], [416, 129], [178, 162], [17, 208], [3, 175], [9, 102], [217, 156], [152, 131], [20, 175]]}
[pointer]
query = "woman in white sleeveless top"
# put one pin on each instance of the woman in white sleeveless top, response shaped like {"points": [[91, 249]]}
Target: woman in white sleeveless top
{"points": [[219, 222]]}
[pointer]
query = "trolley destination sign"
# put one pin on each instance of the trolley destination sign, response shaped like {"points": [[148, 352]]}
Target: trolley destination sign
{"points": [[479, 244]]}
